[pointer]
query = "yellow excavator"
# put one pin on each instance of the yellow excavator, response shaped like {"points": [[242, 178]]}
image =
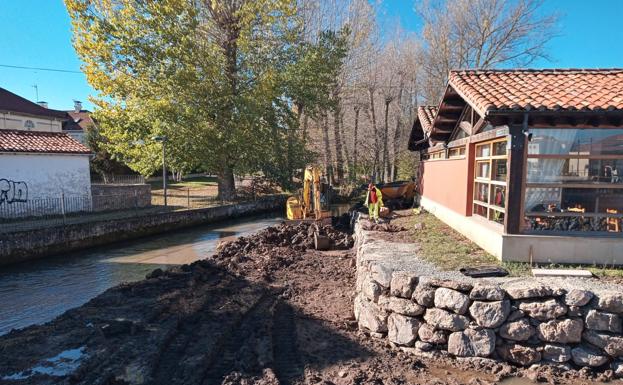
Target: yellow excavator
{"points": [[313, 201]]}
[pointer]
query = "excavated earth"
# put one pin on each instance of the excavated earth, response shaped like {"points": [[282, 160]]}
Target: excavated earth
{"points": [[265, 309]]}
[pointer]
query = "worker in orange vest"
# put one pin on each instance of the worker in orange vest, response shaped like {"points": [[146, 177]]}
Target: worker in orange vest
{"points": [[374, 202]]}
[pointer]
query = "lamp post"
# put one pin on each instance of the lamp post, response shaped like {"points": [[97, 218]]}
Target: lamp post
{"points": [[163, 139]]}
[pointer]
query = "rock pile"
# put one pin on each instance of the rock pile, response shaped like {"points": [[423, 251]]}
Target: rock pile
{"points": [[520, 322]]}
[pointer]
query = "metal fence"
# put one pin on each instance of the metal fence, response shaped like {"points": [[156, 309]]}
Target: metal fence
{"points": [[118, 179], [42, 212], [64, 210]]}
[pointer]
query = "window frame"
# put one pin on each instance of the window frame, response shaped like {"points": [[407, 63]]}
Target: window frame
{"points": [[491, 183], [561, 185]]}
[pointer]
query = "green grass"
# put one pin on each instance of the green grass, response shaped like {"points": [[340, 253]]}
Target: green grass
{"points": [[445, 247], [449, 250], [195, 182]]}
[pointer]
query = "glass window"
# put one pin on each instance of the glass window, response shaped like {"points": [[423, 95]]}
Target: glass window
{"points": [[496, 216], [499, 148], [490, 180], [481, 192], [570, 200], [499, 170], [575, 170], [498, 196], [457, 152], [574, 180], [483, 150], [482, 169], [480, 210], [572, 141]]}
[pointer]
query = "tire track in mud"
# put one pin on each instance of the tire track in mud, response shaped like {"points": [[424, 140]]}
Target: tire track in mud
{"points": [[244, 349], [194, 344], [287, 364]]}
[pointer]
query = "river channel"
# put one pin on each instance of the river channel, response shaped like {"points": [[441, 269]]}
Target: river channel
{"points": [[38, 291]]}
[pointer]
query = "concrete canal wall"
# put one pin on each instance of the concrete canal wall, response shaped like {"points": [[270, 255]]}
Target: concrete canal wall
{"points": [[32, 244], [524, 321]]}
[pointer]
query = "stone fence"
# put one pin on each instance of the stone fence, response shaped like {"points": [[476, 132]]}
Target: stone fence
{"points": [[520, 321]]}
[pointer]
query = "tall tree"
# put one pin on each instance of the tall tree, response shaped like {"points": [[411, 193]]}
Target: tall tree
{"points": [[208, 74]]}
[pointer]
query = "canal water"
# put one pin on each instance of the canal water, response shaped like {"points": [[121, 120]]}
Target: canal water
{"points": [[38, 291]]}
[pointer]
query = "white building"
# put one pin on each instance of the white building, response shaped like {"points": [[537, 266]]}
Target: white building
{"points": [[39, 163]]}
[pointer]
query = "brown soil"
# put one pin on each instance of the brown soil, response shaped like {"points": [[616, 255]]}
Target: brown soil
{"points": [[260, 311]]}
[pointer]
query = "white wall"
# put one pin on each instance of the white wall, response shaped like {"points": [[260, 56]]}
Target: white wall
{"points": [[30, 178], [14, 121]]}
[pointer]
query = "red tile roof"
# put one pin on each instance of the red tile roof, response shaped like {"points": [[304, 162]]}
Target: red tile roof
{"points": [[546, 89], [40, 142], [426, 115], [15, 103], [80, 120]]}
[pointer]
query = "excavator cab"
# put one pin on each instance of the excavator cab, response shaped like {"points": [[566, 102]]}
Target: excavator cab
{"points": [[312, 202]]}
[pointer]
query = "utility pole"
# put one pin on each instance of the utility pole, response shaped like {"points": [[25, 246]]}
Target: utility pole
{"points": [[163, 139], [36, 92]]}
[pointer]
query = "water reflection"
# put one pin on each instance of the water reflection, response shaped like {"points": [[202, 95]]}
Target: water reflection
{"points": [[38, 291]]}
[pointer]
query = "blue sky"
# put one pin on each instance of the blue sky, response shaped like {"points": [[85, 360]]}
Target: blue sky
{"points": [[36, 33]]}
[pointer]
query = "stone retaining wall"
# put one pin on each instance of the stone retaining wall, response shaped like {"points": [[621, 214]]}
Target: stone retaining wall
{"points": [[32, 244], [523, 321]]}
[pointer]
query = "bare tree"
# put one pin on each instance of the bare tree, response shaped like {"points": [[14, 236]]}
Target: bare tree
{"points": [[481, 34]]}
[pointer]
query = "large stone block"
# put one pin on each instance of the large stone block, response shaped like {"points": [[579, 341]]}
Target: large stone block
{"points": [[424, 295], [610, 301], [519, 330], [381, 273], [585, 355], [617, 368], [442, 319], [557, 353], [450, 284], [400, 306], [523, 290], [519, 354], [371, 317], [371, 289], [486, 292], [428, 333], [451, 300], [402, 330], [597, 320], [562, 331], [577, 297], [490, 314], [402, 284], [472, 343], [543, 310], [613, 345]]}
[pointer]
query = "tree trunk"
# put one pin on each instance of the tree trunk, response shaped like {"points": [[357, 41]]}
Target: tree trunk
{"points": [[355, 143], [347, 158], [328, 158], [339, 159], [397, 132], [385, 140], [226, 183], [376, 136]]}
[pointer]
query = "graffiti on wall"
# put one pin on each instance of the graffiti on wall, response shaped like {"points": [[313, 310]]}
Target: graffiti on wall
{"points": [[11, 191]]}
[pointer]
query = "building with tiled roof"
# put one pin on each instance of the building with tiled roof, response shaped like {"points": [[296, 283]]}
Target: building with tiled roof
{"points": [[420, 133], [40, 162], [528, 163]]}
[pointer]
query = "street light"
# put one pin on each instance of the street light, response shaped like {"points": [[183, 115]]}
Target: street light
{"points": [[163, 139]]}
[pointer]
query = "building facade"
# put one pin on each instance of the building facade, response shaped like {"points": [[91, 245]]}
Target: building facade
{"points": [[39, 163], [527, 163]]}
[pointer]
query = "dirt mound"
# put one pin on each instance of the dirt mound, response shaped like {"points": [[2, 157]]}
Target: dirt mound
{"points": [[276, 247]]}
